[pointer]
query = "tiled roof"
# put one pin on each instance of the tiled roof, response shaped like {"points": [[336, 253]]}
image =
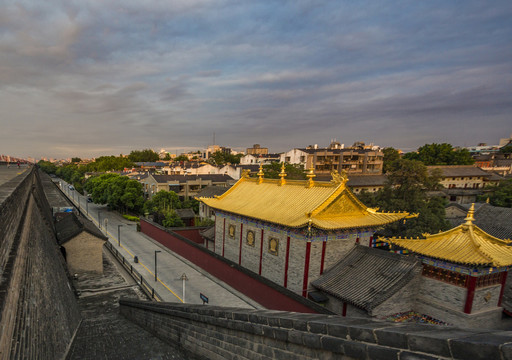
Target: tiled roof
{"points": [[185, 213], [494, 220], [460, 170], [212, 191], [295, 204], [464, 244], [366, 180], [208, 233], [366, 277], [184, 178], [71, 225]]}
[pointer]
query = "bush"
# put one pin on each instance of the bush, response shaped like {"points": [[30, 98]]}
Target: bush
{"points": [[131, 218]]}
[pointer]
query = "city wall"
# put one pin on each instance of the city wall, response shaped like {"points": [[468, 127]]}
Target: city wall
{"points": [[215, 333], [38, 311]]}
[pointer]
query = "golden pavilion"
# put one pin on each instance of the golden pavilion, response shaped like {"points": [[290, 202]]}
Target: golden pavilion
{"points": [[464, 270], [288, 231]]}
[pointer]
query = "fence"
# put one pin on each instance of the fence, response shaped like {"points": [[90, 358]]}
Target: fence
{"points": [[144, 284]]}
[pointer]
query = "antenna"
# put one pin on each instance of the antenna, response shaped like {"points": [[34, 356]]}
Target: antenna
{"points": [[214, 138]]}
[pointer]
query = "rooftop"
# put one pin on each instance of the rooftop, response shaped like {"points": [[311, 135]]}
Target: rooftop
{"points": [[464, 244], [299, 203], [367, 277]]}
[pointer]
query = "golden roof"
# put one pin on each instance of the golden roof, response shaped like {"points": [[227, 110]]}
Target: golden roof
{"points": [[464, 244], [294, 203]]}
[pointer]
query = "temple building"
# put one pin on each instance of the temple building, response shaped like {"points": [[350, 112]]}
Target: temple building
{"points": [[290, 231], [464, 274]]}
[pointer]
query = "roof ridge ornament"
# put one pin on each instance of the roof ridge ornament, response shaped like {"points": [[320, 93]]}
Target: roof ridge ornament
{"points": [[470, 217], [260, 174], [339, 177], [246, 173], [310, 176], [282, 175]]}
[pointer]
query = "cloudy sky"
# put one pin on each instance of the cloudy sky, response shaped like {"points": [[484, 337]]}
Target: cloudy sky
{"points": [[88, 78]]}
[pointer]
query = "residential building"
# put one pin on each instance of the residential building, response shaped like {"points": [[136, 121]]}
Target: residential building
{"points": [[264, 159], [205, 212], [185, 186], [235, 171], [257, 150]]}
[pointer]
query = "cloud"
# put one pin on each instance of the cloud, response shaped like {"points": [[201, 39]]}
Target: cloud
{"points": [[92, 76]]}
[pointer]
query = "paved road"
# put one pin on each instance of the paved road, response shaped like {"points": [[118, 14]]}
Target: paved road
{"points": [[9, 172], [170, 266]]}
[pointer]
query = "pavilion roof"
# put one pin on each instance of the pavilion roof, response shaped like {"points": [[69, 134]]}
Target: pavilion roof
{"points": [[299, 203], [464, 244]]}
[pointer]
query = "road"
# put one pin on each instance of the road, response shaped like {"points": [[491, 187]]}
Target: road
{"points": [[169, 266]]}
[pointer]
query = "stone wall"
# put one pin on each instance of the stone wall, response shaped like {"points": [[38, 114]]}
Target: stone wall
{"points": [[231, 232], [39, 313], [84, 253], [215, 333]]}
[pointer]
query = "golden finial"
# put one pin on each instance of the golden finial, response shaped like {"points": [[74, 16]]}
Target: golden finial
{"points": [[311, 175], [339, 177], [470, 218], [245, 173], [260, 174], [487, 201], [282, 175]]}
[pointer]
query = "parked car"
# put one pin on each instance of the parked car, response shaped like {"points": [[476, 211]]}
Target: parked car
{"points": [[89, 199], [71, 187]]}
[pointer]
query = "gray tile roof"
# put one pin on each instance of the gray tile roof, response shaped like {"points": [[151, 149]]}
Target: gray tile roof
{"points": [[208, 233], [367, 277], [71, 225], [185, 213], [459, 170], [185, 178], [366, 180], [494, 220], [212, 191]]}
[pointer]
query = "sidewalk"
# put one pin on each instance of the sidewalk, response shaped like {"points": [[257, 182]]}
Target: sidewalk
{"points": [[170, 267]]}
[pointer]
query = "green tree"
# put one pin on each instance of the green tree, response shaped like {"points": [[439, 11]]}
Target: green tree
{"points": [[47, 167], [109, 163], [293, 171], [390, 156], [191, 204], [162, 201], [146, 155], [167, 157], [499, 195], [75, 160], [405, 190], [181, 158], [119, 192], [219, 158], [172, 219], [441, 154], [507, 149]]}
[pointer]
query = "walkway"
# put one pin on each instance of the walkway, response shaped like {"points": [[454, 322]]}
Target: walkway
{"points": [[155, 258]]}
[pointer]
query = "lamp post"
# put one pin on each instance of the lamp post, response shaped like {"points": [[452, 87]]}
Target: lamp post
{"points": [[99, 218], [184, 278], [156, 252], [119, 234]]}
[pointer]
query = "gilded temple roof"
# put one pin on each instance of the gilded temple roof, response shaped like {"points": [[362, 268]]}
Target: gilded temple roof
{"points": [[464, 244], [299, 203]]}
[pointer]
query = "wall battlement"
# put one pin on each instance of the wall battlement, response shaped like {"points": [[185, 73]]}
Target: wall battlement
{"points": [[38, 310], [208, 332]]}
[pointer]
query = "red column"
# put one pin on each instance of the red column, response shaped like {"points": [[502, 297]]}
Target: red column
{"points": [[306, 269], [261, 251], [371, 241], [344, 311], [324, 244], [357, 240], [240, 250], [286, 263], [223, 237], [214, 232], [471, 294], [503, 282]]}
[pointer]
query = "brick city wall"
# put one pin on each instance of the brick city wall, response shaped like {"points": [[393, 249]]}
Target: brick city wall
{"points": [[247, 282], [209, 332], [39, 313]]}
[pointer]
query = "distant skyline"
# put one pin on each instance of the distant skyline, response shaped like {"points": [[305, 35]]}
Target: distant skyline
{"points": [[91, 78]]}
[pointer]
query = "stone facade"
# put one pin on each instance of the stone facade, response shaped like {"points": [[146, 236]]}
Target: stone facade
{"points": [[84, 253], [281, 251]]}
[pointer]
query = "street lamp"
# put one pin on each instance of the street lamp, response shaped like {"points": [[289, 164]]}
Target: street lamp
{"points": [[119, 234], [156, 252], [99, 218]]}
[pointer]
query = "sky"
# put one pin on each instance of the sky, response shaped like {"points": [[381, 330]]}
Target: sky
{"points": [[90, 78]]}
